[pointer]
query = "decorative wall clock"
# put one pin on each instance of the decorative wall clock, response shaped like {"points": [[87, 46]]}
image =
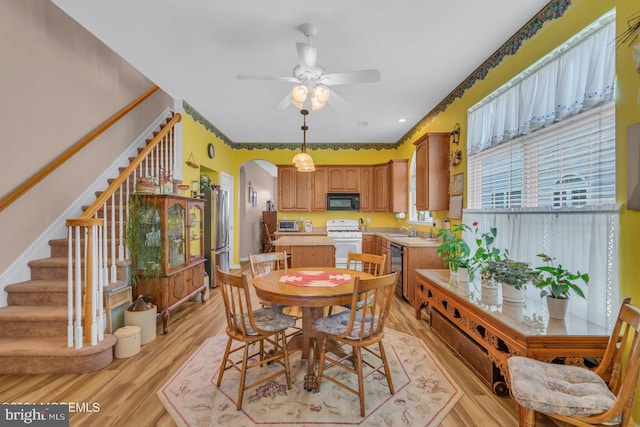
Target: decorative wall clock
{"points": [[211, 150]]}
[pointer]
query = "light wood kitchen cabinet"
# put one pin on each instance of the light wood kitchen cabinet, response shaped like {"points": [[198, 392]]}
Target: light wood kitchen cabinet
{"points": [[390, 186], [344, 178], [398, 185], [432, 172], [366, 188], [319, 190], [417, 257], [382, 248], [381, 188], [293, 189], [368, 244]]}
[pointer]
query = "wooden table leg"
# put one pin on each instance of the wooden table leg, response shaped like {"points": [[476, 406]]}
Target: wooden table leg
{"points": [[309, 315]]}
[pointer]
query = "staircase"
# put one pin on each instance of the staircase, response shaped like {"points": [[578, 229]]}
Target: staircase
{"points": [[34, 330]]}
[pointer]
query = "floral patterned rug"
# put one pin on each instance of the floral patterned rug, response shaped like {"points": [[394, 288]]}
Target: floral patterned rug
{"points": [[424, 392]]}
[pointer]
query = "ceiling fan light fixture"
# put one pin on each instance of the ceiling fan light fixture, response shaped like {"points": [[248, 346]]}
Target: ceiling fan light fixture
{"points": [[299, 94], [321, 93], [319, 97]]}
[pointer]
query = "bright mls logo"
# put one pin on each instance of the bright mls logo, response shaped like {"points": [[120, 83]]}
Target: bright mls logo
{"points": [[34, 415]]}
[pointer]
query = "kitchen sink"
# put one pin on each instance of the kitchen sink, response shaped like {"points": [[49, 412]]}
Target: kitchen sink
{"points": [[397, 236]]}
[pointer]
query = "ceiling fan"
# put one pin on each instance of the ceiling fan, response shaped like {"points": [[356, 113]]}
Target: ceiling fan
{"points": [[313, 80]]}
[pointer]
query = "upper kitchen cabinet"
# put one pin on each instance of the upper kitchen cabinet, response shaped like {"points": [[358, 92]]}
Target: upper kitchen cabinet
{"points": [[390, 186], [381, 188], [344, 178], [432, 172], [319, 189], [293, 189], [366, 188], [398, 185]]}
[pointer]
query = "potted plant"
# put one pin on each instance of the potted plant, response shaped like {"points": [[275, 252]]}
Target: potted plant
{"points": [[556, 283], [453, 249], [486, 253], [513, 275]]}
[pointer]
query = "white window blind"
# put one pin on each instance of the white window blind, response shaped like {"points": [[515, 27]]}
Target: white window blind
{"points": [[570, 163]]}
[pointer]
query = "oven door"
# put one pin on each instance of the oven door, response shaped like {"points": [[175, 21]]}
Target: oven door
{"points": [[344, 246]]}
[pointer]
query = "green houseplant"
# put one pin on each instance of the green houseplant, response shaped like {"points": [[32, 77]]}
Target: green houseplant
{"points": [[453, 249], [486, 254], [513, 275], [556, 283]]}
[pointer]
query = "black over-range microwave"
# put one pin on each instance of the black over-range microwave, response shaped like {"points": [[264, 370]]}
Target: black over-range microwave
{"points": [[343, 201]]}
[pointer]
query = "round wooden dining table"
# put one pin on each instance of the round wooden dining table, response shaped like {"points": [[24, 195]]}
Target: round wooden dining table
{"points": [[312, 299]]}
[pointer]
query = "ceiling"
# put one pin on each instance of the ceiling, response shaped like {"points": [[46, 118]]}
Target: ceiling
{"points": [[194, 49]]}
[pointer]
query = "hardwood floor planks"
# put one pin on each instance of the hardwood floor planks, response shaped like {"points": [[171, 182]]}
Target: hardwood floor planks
{"points": [[125, 390]]}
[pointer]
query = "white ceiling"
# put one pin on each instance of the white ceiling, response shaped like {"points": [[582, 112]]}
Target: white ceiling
{"points": [[193, 50]]}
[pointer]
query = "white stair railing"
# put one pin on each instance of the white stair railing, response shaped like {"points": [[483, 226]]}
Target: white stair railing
{"points": [[97, 244]]}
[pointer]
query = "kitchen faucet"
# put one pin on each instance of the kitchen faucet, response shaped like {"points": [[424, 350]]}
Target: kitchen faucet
{"points": [[411, 230]]}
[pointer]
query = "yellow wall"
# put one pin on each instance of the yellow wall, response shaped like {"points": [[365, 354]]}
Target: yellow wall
{"points": [[577, 16], [196, 137]]}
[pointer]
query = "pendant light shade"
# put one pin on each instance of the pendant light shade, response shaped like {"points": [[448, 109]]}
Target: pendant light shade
{"points": [[303, 161]]}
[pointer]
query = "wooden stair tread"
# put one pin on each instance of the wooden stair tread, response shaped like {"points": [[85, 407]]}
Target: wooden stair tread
{"points": [[33, 313], [50, 346], [45, 285], [58, 261]]}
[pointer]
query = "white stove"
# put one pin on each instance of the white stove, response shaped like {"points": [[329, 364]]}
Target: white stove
{"points": [[347, 237]]}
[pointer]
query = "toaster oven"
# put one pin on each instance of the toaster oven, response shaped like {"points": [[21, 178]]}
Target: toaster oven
{"points": [[288, 225]]}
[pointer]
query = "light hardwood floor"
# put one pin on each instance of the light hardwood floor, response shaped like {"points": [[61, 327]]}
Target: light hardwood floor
{"points": [[125, 390]]}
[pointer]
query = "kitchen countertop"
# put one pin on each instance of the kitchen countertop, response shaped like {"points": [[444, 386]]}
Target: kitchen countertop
{"points": [[398, 237], [404, 240], [301, 240]]}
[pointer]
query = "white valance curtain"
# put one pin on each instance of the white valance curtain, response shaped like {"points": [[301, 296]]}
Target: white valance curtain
{"points": [[576, 77], [579, 239]]}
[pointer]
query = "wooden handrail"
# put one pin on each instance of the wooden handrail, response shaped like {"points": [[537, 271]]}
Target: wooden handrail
{"points": [[116, 183], [70, 152]]}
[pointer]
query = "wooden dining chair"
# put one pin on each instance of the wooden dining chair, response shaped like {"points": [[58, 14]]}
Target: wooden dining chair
{"points": [[248, 327], [369, 263], [361, 329], [267, 239], [577, 395], [266, 262]]}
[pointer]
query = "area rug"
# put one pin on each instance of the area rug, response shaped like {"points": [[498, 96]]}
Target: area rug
{"points": [[424, 392]]}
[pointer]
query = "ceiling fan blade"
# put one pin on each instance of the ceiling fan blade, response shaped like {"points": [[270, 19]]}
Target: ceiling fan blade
{"points": [[284, 102], [307, 55], [361, 76], [338, 103], [273, 78]]}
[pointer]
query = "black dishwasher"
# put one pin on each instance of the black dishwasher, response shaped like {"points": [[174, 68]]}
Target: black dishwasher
{"points": [[396, 264]]}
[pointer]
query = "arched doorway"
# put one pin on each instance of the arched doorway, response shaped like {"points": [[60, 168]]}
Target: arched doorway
{"points": [[258, 183]]}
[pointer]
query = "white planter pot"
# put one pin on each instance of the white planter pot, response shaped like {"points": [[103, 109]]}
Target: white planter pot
{"points": [[490, 295], [463, 274], [557, 307], [511, 294]]}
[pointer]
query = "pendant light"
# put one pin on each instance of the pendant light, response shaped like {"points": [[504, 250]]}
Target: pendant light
{"points": [[303, 161]]}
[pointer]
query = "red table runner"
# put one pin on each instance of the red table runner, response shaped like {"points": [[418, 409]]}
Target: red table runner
{"points": [[316, 278]]}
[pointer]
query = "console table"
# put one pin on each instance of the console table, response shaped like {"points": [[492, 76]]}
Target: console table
{"points": [[484, 336]]}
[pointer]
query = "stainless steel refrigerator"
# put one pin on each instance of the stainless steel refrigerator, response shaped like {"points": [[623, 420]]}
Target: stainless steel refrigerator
{"points": [[216, 232]]}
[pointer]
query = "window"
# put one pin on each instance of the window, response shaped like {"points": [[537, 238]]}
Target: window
{"points": [[571, 163], [541, 166]]}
